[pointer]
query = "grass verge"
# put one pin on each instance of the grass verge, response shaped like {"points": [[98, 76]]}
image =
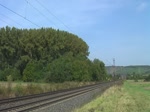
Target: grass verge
{"points": [[15, 89], [131, 97]]}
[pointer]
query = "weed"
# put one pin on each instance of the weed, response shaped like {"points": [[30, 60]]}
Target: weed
{"points": [[9, 86], [18, 90]]}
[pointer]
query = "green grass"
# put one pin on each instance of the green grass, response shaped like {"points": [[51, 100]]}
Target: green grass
{"points": [[131, 97]]}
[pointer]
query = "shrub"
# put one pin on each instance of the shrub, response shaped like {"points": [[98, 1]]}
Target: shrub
{"points": [[10, 71], [33, 72], [147, 78]]}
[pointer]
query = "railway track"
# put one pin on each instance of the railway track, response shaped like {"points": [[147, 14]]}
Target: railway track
{"points": [[33, 102]]}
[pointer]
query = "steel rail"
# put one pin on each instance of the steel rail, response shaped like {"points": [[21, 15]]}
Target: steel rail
{"points": [[2, 101], [54, 97]]}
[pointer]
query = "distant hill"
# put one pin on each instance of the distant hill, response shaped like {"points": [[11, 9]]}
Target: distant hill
{"points": [[124, 70]]}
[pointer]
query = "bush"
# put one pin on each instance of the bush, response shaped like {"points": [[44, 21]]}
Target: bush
{"points": [[10, 71], [147, 78], [68, 68], [33, 72]]}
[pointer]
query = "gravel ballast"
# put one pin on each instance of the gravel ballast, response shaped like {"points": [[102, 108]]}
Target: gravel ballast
{"points": [[75, 102]]}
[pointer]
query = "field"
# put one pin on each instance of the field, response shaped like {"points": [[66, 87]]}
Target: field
{"points": [[131, 97], [14, 89]]}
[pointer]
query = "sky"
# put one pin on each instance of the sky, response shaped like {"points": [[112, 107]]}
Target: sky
{"points": [[113, 29]]}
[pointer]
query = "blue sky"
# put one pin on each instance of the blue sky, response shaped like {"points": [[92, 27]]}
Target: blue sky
{"points": [[117, 29]]}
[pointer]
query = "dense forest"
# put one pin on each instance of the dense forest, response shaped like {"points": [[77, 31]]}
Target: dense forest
{"points": [[47, 55]]}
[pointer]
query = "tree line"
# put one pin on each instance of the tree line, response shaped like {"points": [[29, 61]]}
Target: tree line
{"points": [[46, 54], [134, 76]]}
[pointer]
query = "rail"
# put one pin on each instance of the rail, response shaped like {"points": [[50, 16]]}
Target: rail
{"points": [[33, 102]]}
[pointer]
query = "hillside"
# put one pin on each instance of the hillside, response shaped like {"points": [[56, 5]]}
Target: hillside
{"points": [[124, 70]]}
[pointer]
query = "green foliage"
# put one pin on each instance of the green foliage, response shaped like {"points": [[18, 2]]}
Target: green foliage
{"points": [[33, 71], [147, 78], [81, 70], [59, 70], [142, 71], [68, 68], [99, 72], [134, 77], [46, 54], [9, 78], [9, 71]]}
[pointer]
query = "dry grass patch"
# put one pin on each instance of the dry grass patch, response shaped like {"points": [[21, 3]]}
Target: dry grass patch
{"points": [[15, 89], [147, 88]]}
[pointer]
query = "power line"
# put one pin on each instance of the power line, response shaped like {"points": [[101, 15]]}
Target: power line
{"points": [[54, 15], [26, 9], [19, 15], [5, 22], [40, 12], [108, 62], [11, 19]]}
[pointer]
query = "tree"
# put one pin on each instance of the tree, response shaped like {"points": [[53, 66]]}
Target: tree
{"points": [[147, 78], [33, 71], [46, 53], [99, 71], [9, 71], [60, 69]]}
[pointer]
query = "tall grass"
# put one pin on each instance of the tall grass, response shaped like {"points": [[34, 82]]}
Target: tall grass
{"points": [[131, 97], [14, 89]]}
